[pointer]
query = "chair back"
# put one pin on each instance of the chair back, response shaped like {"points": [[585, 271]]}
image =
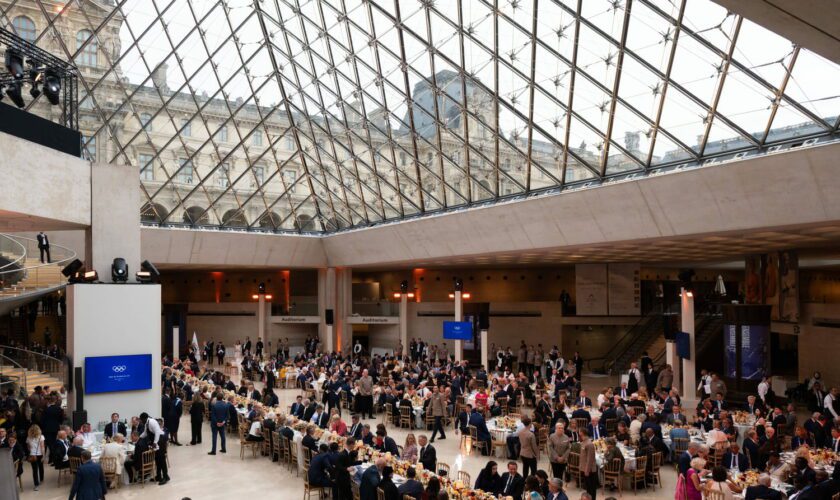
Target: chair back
{"points": [[307, 457], [75, 462], [680, 446], [441, 466], [109, 465], [464, 477], [613, 468], [641, 466], [380, 494], [715, 495], [499, 436], [581, 423], [611, 426], [574, 461], [656, 461], [473, 433]]}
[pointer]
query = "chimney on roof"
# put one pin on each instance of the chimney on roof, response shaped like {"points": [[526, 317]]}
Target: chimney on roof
{"points": [[159, 76]]}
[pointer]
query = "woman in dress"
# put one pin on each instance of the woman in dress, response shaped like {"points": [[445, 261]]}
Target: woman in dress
{"points": [[693, 487], [488, 479], [722, 483], [410, 449], [337, 426], [237, 351], [35, 447]]}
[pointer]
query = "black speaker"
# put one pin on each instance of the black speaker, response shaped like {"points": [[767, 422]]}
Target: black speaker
{"points": [[328, 317], [79, 388], [484, 321], [79, 418]]}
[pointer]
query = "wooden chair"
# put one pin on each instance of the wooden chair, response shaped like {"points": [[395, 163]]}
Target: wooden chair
{"points": [[680, 447], [581, 423], [244, 443], [653, 474], [293, 456], [613, 474], [307, 458], [499, 441], [440, 466], [18, 465], [464, 477], [345, 403], [64, 473], [75, 462], [308, 489], [503, 403], [542, 439], [429, 420], [476, 444], [574, 467], [354, 487], [109, 468], [405, 417], [275, 446], [380, 494], [639, 474], [388, 414], [466, 441], [147, 467], [717, 495], [611, 426]]}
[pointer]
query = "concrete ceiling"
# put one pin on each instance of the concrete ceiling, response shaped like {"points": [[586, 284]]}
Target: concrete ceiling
{"points": [[813, 24]]}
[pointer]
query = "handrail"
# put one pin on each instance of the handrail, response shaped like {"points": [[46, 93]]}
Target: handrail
{"points": [[39, 362], [62, 249], [22, 252], [14, 364], [610, 357]]}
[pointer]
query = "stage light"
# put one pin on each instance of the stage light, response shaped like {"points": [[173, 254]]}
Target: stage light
{"points": [[410, 295], [14, 93], [404, 286], [90, 276], [459, 284], [119, 270], [268, 297], [261, 287], [255, 296], [397, 295], [52, 87], [14, 63], [72, 268], [148, 273], [466, 295], [37, 78]]}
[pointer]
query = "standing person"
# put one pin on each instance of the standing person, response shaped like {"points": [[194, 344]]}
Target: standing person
{"points": [[173, 419], [588, 469], [161, 467], [559, 447], [528, 448], [437, 406], [219, 414], [633, 379], [44, 247], [89, 483], [196, 419], [35, 445], [365, 395]]}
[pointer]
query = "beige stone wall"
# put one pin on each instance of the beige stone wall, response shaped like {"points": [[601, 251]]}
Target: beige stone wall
{"points": [[819, 347]]}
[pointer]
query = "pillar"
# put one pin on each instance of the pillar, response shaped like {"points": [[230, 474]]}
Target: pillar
{"points": [[689, 382], [459, 316], [404, 322], [335, 291], [176, 342], [261, 319], [485, 354]]}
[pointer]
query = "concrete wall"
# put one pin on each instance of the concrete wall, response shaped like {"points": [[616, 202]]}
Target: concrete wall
{"points": [[42, 188], [115, 219], [819, 347], [109, 320]]}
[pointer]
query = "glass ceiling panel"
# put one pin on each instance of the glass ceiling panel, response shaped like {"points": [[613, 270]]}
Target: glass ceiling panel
{"points": [[313, 116]]}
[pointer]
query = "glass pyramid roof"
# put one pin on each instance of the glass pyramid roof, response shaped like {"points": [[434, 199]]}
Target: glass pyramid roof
{"points": [[317, 116]]}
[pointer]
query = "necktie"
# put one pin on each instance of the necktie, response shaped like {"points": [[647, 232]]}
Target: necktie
{"points": [[422, 451], [507, 486], [734, 461]]}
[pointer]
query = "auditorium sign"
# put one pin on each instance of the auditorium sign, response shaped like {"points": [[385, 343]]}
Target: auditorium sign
{"points": [[295, 319], [373, 320]]}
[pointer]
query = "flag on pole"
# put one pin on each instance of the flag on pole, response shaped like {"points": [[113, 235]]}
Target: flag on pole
{"points": [[195, 341]]}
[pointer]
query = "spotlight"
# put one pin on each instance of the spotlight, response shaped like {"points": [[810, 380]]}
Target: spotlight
{"points": [[261, 287], [119, 270], [13, 91], [404, 286], [148, 273], [14, 63], [88, 277], [52, 87], [459, 284], [37, 78], [72, 268]]}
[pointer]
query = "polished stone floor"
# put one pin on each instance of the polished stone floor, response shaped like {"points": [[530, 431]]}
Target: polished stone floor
{"points": [[198, 476]]}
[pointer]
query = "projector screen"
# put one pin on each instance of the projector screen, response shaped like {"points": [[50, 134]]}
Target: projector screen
{"points": [[457, 330], [118, 373]]}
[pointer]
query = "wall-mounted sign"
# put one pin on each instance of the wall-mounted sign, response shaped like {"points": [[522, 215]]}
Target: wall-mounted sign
{"points": [[373, 320], [296, 319]]}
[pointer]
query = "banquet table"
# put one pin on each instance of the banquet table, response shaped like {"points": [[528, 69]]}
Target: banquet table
{"points": [[96, 454], [742, 432], [628, 453]]}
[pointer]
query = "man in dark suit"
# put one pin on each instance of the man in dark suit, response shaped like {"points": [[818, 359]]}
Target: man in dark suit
{"points": [[219, 415], [309, 411], [385, 443], [582, 400], [89, 483], [762, 490], [51, 422], [370, 480], [321, 466], [44, 247], [555, 489], [512, 483], [297, 407], [134, 465], [596, 429], [75, 450], [685, 458], [308, 441], [114, 426], [411, 487], [483, 434], [734, 459], [427, 454], [161, 467], [196, 419], [751, 446], [356, 427]]}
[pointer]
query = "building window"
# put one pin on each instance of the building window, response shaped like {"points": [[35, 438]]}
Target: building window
{"points": [[186, 127], [146, 121], [89, 143], [506, 165], [224, 175], [147, 169], [221, 135], [290, 143], [258, 138], [87, 56], [402, 158], [259, 174], [428, 158], [290, 176], [184, 174], [25, 28]]}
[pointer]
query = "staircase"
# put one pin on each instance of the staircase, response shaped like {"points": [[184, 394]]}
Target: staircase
{"points": [[32, 369], [647, 333], [30, 379], [35, 277]]}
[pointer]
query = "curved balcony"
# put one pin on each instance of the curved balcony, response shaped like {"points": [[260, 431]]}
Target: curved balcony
{"points": [[32, 369], [23, 275]]}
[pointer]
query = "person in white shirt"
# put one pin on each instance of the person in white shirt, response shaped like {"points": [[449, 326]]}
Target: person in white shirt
{"points": [[151, 428], [705, 385], [116, 449], [763, 389], [636, 428], [88, 437], [828, 402]]}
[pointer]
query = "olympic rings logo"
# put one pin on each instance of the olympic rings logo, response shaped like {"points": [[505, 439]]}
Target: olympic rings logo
{"points": [[119, 368]]}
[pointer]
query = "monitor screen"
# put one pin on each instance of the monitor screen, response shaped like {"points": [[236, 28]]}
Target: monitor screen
{"points": [[118, 373], [457, 330]]}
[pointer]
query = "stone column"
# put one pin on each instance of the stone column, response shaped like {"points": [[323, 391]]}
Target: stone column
{"points": [[689, 382], [459, 316], [404, 322]]}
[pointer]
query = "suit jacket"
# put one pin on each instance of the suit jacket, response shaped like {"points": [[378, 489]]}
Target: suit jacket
{"points": [[558, 448], [321, 468], [602, 431], [370, 481], [197, 411], [514, 489], [587, 458], [309, 442], [52, 418], [308, 412], [428, 457], [219, 412], [43, 240], [355, 430], [297, 409], [583, 402], [109, 429], [412, 488], [760, 491], [528, 444], [742, 461], [477, 420], [89, 483]]}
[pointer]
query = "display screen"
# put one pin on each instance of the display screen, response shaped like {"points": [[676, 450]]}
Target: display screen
{"points": [[457, 330], [118, 373]]}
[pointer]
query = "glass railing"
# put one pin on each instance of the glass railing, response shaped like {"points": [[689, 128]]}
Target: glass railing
{"points": [[295, 309], [382, 308], [12, 376], [21, 268], [37, 362]]}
